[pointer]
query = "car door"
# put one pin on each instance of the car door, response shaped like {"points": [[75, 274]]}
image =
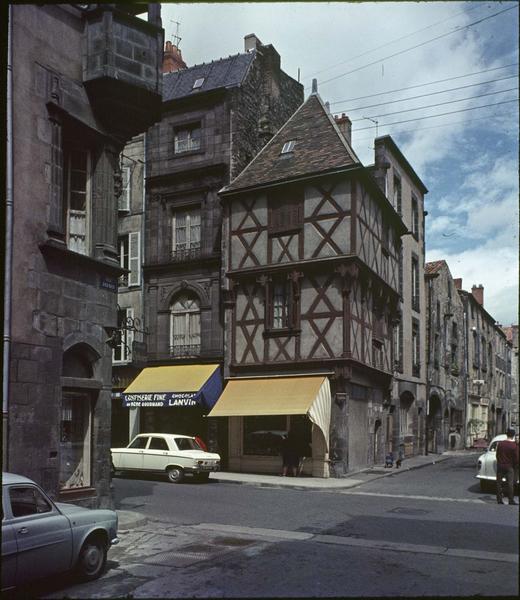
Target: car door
{"points": [[156, 455], [43, 535], [132, 457]]}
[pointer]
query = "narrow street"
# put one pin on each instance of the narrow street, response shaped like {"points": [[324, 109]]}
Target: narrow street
{"points": [[426, 531]]}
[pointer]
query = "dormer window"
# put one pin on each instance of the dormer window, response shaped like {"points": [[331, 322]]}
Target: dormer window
{"points": [[198, 83], [288, 147]]}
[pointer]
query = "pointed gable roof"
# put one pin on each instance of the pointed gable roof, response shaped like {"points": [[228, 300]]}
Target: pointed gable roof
{"points": [[319, 148]]}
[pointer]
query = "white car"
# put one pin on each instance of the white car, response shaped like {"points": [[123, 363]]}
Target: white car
{"points": [[41, 538], [487, 464], [170, 453]]}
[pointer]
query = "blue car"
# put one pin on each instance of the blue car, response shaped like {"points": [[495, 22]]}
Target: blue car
{"points": [[42, 538]]}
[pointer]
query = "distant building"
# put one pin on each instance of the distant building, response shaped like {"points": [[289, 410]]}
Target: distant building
{"points": [[215, 118], [488, 367], [445, 360], [512, 337], [311, 263], [83, 79]]}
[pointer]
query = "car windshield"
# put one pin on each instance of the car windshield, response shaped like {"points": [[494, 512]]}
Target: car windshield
{"points": [[186, 444]]}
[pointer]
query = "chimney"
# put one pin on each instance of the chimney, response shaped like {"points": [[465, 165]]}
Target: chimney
{"points": [[345, 126], [172, 59], [458, 283], [251, 42], [314, 86], [478, 293]]}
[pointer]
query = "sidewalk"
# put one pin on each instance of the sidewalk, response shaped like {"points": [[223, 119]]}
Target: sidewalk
{"points": [[129, 519]]}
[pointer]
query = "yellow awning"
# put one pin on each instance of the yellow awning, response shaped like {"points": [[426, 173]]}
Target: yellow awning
{"points": [[178, 378], [277, 396]]}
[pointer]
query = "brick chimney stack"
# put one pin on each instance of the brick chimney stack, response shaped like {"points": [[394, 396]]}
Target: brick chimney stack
{"points": [[478, 293], [251, 42], [172, 59], [345, 126], [458, 283]]}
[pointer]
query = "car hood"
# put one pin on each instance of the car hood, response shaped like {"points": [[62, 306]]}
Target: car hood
{"points": [[90, 514]]}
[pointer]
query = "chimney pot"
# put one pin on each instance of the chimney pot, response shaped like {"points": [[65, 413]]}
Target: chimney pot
{"points": [[314, 86]]}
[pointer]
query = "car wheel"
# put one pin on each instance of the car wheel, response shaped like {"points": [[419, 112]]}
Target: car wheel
{"points": [[92, 559], [175, 474], [203, 476]]}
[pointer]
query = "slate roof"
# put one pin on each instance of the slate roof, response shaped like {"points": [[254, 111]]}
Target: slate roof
{"points": [[223, 73], [434, 267], [319, 147]]}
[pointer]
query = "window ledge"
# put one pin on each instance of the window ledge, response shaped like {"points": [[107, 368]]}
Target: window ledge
{"points": [[77, 493], [176, 155], [282, 332], [59, 249]]}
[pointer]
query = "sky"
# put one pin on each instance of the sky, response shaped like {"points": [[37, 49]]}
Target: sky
{"points": [[459, 58]]}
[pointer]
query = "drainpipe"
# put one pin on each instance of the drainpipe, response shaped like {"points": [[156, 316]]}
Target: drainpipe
{"points": [[8, 243], [428, 365]]}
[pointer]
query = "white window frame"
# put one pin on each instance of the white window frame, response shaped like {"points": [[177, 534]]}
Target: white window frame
{"points": [[124, 198], [76, 245], [130, 258], [192, 241], [198, 83], [187, 143], [288, 147], [191, 337]]}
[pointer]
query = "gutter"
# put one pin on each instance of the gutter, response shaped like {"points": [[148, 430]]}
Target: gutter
{"points": [[8, 241]]}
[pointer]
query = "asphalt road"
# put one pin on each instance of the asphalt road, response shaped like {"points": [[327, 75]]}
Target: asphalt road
{"points": [[428, 531]]}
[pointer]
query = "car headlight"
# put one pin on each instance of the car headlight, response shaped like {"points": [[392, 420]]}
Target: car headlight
{"points": [[200, 462]]}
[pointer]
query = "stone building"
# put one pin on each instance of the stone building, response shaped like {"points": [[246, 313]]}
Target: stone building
{"points": [[407, 408], [215, 118], [446, 368], [310, 252], [488, 368], [83, 79], [512, 337]]}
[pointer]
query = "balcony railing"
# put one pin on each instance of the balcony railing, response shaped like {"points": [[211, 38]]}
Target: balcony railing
{"points": [[185, 350], [192, 252]]}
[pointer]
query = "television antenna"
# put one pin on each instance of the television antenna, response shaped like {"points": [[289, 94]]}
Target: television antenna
{"points": [[176, 38]]}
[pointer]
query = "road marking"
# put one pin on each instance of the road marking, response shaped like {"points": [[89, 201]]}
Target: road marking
{"points": [[410, 497], [280, 534]]}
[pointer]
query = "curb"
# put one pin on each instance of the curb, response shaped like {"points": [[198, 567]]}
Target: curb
{"points": [[128, 519]]}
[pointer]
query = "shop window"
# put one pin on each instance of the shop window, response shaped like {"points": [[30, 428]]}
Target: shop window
{"points": [[264, 435], [130, 259], [185, 326], [186, 226], [75, 441], [187, 138]]}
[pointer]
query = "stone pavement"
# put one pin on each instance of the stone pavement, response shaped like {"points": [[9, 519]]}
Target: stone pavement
{"points": [[129, 519]]}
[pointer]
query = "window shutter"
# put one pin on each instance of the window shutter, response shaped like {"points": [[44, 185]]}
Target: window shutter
{"points": [[134, 258], [194, 231], [194, 328]]}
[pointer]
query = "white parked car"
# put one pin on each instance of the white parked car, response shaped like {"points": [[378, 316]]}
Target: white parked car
{"points": [[487, 464], [170, 453], [41, 538]]}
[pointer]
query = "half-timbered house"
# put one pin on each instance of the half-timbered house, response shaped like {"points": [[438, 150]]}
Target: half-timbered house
{"points": [[310, 254]]}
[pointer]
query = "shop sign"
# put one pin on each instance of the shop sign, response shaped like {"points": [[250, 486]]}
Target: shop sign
{"points": [[108, 283], [153, 399]]}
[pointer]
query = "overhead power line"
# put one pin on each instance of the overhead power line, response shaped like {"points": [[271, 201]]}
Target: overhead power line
{"points": [[403, 37], [461, 87], [457, 30], [450, 124], [397, 112], [411, 87], [452, 112]]}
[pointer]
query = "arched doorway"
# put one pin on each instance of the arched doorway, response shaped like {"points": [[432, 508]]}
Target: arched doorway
{"points": [[76, 430]]}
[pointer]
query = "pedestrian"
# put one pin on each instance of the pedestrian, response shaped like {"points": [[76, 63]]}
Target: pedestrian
{"points": [[507, 466], [290, 455], [389, 460], [400, 457]]}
